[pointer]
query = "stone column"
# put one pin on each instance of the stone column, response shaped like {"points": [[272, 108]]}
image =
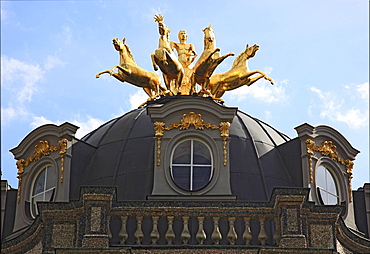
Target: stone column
{"points": [[97, 207]]}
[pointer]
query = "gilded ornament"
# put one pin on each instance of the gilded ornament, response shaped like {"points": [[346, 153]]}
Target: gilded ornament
{"points": [[239, 74], [188, 120], [178, 74], [327, 148], [43, 148], [128, 71]]}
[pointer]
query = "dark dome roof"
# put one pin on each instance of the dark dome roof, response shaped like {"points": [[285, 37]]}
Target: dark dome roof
{"points": [[121, 153]]}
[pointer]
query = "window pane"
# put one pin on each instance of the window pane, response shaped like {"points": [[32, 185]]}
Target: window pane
{"points": [[50, 181], [201, 177], [332, 200], [324, 196], [37, 198], [40, 184], [320, 177], [327, 185], [182, 153], [48, 195], [202, 156], [181, 176], [330, 184]]}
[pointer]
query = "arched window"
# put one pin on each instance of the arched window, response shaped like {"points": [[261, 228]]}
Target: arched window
{"points": [[326, 186], [191, 165], [43, 188]]}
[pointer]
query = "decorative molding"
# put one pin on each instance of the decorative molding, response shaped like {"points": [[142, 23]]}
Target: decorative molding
{"points": [[188, 120], [43, 148], [328, 149]]}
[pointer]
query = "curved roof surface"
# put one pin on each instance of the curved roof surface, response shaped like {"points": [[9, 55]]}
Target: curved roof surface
{"points": [[121, 153]]}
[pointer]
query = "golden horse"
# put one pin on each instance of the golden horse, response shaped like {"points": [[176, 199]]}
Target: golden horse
{"points": [[208, 60], [166, 60], [239, 74], [130, 72]]}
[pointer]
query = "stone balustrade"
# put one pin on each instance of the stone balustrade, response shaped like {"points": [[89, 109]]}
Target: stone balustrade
{"points": [[194, 223]]}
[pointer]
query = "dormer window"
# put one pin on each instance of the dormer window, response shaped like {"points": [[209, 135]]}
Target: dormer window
{"points": [[43, 188], [191, 165]]}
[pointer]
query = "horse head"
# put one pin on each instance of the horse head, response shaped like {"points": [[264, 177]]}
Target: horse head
{"points": [[163, 29], [118, 44], [251, 51], [209, 35]]}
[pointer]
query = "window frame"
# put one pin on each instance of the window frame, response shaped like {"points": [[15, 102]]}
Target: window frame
{"points": [[33, 205], [191, 164], [328, 171]]}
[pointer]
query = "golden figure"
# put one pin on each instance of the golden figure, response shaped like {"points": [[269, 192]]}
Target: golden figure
{"points": [[179, 77], [185, 52], [165, 59], [238, 75], [129, 71], [186, 55], [208, 60]]}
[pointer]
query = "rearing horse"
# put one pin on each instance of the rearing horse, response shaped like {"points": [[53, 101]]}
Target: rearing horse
{"points": [[129, 71], [166, 60], [238, 75], [208, 60]]}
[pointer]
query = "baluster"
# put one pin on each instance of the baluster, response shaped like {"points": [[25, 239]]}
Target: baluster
{"points": [[170, 234], [216, 234], [108, 227], [276, 236], [231, 235], [123, 232], [262, 236], [154, 235], [185, 234], [247, 235], [201, 235], [139, 233]]}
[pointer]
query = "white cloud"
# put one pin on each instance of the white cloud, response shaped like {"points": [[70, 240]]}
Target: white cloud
{"points": [[67, 34], [86, 125], [52, 62], [40, 120], [21, 79], [363, 90], [337, 109], [138, 98], [261, 90]]}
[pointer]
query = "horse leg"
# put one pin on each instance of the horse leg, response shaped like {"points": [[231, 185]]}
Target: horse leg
{"points": [[178, 81], [148, 91], [254, 79], [155, 66], [102, 72], [124, 69]]}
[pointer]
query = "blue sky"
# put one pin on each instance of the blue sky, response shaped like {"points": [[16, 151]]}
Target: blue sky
{"points": [[316, 51]]}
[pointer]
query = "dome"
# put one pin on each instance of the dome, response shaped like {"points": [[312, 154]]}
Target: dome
{"points": [[121, 152]]}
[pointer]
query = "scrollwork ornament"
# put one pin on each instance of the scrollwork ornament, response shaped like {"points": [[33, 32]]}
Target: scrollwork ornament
{"points": [[43, 148], [327, 148], [188, 120]]}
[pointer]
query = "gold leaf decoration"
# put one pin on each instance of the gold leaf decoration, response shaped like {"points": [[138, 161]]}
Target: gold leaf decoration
{"points": [[43, 148], [188, 120], [327, 148]]}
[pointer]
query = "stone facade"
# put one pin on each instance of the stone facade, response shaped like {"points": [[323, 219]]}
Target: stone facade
{"points": [[97, 223]]}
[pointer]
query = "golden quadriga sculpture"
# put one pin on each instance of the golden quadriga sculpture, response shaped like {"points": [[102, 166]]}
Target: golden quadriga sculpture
{"points": [[178, 76]]}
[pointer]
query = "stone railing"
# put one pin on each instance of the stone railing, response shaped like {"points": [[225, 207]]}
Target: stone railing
{"points": [[194, 223], [99, 222]]}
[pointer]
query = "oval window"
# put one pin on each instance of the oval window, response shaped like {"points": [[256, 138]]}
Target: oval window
{"points": [[191, 165], [43, 188], [326, 186]]}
